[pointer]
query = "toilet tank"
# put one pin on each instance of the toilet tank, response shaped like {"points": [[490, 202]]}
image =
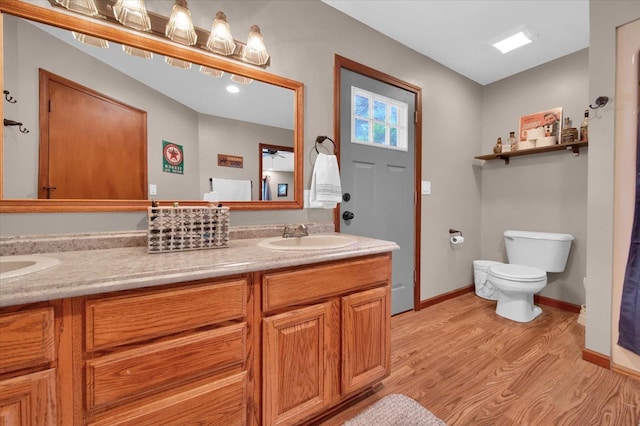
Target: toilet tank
{"points": [[545, 250]]}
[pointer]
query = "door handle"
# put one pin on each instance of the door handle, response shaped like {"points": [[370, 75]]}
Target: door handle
{"points": [[347, 215]]}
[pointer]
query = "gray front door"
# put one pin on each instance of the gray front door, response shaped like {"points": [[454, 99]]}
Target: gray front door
{"points": [[381, 186]]}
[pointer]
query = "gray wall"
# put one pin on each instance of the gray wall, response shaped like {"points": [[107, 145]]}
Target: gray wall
{"points": [[302, 38], [605, 17], [542, 192], [219, 135]]}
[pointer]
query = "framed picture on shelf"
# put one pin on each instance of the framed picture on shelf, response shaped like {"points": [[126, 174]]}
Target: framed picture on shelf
{"points": [[283, 189], [543, 124]]}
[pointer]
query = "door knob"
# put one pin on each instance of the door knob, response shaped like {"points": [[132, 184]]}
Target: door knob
{"points": [[347, 215], [346, 196]]}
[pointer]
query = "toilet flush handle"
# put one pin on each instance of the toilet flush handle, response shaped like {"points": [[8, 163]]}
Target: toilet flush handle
{"points": [[509, 238]]}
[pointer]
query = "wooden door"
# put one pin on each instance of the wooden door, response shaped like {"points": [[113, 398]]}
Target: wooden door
{"points": [[29, 400], [366, 333], [91, 146], [296, 380]]}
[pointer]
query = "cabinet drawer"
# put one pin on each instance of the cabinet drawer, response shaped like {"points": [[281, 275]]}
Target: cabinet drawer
{"points": [[308, 284], [135, 317], [218, 403], [26, 339], [142, 371]]}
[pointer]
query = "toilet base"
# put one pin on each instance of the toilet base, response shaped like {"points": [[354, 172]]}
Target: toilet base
{"points": [[517, 307]]}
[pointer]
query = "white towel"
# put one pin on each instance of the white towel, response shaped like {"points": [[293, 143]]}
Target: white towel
{"points": [[326, 190], [232, 189]]}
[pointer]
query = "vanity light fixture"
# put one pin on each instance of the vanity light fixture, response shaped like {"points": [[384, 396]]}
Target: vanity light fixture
{"points": [[90, 40], [134, 51], [177, 27], [178, 63], [240, 79], [211, 72], [255, 51], [132, 14], [180, 26], [220, 40], [86, 7], [513, 42]]}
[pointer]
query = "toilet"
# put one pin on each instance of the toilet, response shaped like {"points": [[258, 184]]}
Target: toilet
{"points": [[531, 255]]}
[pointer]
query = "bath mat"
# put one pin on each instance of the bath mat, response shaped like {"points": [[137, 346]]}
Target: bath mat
{"points": [[395, 410]]}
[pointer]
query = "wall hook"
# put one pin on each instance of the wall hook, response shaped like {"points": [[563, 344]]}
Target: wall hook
{"points": [[15, 123], [8, 97], [600, 102]]}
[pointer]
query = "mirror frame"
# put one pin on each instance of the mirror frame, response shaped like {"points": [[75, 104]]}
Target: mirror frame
{"points": [[96, 28]]}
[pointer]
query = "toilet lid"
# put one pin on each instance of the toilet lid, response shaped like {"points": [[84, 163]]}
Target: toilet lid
{"points": [[517, 272]]}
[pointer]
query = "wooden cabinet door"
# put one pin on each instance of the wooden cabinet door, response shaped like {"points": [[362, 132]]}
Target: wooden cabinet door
{"points": [[296, 363], [29, 400], [366, 332]]}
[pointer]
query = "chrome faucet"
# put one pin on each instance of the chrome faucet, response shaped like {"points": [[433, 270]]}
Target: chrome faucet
{"points": [[295, 231]]}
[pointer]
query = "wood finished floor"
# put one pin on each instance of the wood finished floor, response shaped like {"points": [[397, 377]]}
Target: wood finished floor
{"points": [[471, 367]]}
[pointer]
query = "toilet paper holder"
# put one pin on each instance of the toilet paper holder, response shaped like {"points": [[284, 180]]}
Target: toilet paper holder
{"points": [[454, 231], [455, 236]]}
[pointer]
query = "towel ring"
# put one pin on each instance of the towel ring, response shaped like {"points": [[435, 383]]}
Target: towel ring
{"points": [[320, 140]]}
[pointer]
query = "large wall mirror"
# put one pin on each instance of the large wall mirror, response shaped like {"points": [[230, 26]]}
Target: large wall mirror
{"points": [[149, 130]]}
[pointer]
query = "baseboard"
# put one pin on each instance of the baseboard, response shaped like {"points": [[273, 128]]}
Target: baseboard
{"points": [[565, 306], [634, 374], [596, 358], [446, 296]]}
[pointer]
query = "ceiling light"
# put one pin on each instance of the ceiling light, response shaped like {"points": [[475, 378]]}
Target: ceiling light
{"points": [[220, 39], [180, 26], [240, 79], [511, 43], [255, 52], [134, 51], [233, 89], [212, 72], [86, 7], [90, 40], [132, 14], [178, 63]]}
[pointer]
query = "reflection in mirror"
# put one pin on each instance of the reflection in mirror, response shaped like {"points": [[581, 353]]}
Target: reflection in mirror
{"points": [[189, 109], [276, 170]]}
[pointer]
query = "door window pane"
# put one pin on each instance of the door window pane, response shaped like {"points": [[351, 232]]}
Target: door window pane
{"points": [[361, 106], [361, 130], [377, 120]]}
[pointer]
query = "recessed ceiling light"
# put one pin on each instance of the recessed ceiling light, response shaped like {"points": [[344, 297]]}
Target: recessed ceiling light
{"points": [[510, 43], [233, 89]]}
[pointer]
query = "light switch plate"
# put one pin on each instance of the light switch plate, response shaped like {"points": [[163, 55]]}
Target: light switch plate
{"points": [[153, 189], [426, 187]]}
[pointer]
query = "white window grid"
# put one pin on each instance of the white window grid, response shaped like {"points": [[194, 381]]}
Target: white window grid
{"points": [[401, 126]]}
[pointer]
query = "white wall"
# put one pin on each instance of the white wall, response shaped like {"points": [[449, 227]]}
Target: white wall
{"points": [[541, 192], [605, 17]]}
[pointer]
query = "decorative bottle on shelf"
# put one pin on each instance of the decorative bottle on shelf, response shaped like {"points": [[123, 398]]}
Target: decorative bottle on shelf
{"points": [[497, 149], [584, 127], [569, 134], [512, 141]]}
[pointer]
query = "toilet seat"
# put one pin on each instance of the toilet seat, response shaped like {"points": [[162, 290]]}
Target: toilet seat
{"points": [[518, 273]]}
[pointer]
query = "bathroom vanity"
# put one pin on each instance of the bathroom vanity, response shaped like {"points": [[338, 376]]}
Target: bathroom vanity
{"points": [[242, 335]]}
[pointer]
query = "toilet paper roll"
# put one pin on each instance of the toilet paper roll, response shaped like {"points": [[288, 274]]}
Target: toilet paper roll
{"points": [[536, 133], [457, 239]]}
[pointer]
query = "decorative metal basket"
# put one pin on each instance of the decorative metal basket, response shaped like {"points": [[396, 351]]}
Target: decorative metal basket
{"points": [[187, 228]]}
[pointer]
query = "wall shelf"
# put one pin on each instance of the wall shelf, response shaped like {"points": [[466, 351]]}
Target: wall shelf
{"points": [[572, 146]]}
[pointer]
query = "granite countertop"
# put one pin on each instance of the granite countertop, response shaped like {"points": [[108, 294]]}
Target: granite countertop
{"points": [[88, 272]]}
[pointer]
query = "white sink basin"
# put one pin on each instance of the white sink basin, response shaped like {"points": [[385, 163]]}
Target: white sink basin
{"points": [[15, 266], [311, 242]]}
